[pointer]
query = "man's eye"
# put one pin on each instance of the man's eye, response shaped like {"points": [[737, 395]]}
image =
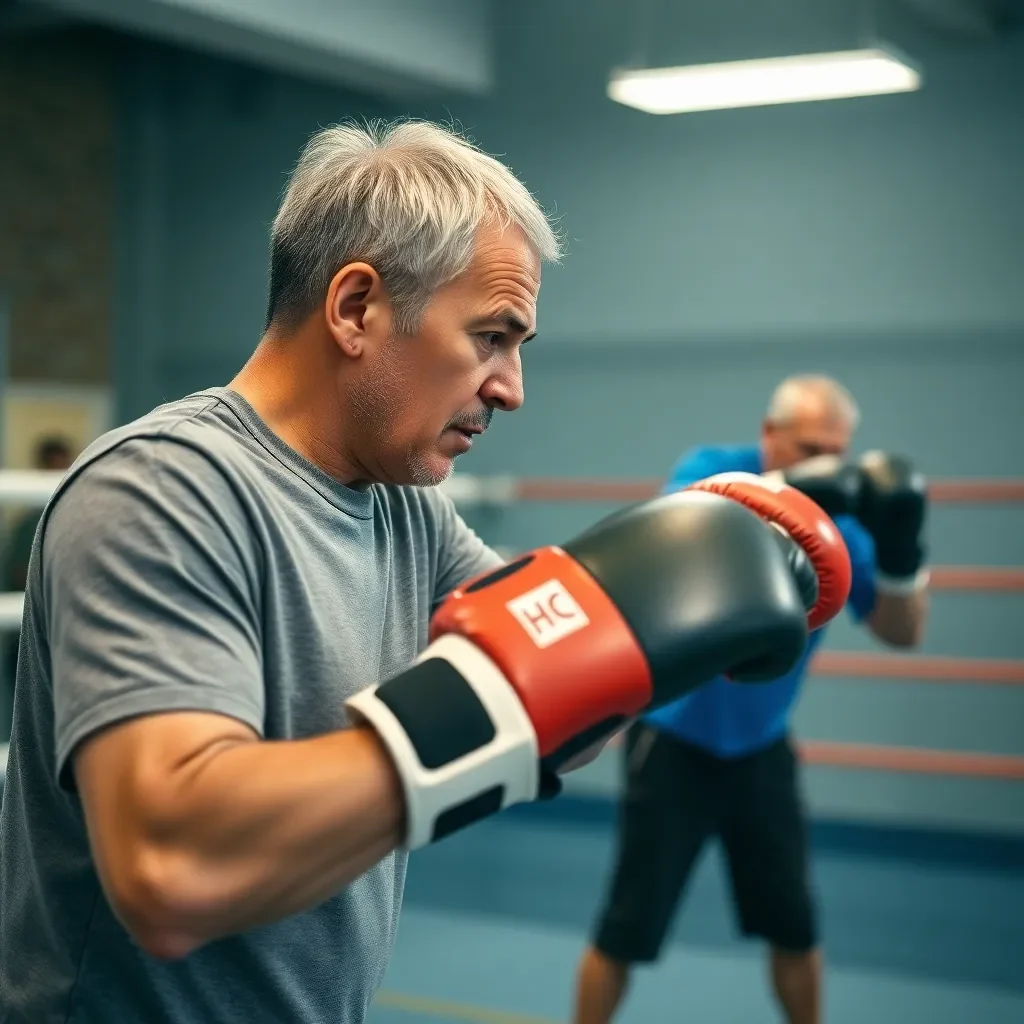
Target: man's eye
{"points": [[493, 337]]}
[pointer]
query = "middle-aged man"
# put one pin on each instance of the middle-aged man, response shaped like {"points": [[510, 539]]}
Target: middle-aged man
{"points": [[719, 762], [262, 658]]}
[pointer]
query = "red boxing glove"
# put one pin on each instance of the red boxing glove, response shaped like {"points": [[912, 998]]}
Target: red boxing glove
{"points": [[536, 661], [806, 522], [529, 662], [569, 630]]}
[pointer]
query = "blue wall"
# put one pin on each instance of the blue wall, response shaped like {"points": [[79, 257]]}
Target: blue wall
{"points": [[205, 150], [888, 213], [880, 240], [949, 399]]}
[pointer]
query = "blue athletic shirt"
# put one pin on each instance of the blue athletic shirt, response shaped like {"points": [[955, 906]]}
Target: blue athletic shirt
{"points": [[732, 719]]}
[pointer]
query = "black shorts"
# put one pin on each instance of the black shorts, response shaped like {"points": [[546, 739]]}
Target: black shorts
{"points": [[677, 797]]}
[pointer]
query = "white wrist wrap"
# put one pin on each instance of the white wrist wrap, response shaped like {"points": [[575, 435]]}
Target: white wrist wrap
{"points": [[902, 587], [503, 770]]}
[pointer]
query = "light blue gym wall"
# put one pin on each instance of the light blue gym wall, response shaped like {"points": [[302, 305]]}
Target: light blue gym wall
{"points": [[888, 213], [951, 401], [881, 240], [205, 149]]}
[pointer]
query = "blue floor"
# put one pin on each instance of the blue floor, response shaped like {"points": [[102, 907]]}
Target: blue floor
{"points": [[495, 919]]}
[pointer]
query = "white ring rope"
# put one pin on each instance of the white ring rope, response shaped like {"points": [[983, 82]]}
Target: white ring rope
{"points": [[28, 486], [11, 606], [32, 489]]}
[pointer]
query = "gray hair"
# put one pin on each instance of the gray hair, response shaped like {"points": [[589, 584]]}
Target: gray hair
{"points": [[406, 198], [789, 395]]}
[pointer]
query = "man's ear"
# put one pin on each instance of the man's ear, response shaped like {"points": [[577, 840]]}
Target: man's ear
{"points": [[356, 309]]}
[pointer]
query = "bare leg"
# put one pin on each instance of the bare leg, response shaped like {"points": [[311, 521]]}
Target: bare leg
{"points": [[796, 978], [600, 985]]}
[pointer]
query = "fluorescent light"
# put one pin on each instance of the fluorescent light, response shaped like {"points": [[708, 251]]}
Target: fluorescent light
{"points": [[757, 83]]}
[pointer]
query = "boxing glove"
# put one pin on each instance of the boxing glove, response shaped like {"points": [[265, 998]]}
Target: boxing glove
{"points": [[892, 508], [533, 662], [886, 495], [831, 482], [804, 520]]}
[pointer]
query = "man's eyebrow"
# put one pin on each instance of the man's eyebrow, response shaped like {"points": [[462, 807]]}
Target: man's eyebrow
{"points": [[511, 321]]}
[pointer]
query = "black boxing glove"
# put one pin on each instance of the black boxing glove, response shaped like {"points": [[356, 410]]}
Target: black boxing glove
{"points": [[536, 661], [892, 507], [831, 482], [886, 495]]}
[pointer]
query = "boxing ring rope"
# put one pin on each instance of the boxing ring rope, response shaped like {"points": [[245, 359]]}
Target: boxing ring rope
{"points": [[32, 489], [920, 668], [965, 577], [839, 665], [493, 492], [499, 490]]}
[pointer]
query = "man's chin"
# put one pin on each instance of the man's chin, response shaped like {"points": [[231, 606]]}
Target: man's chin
{"points": [[430, 470]]}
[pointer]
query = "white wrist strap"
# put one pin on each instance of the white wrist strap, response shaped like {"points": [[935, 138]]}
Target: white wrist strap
{"points": [[503, 771], [905, 586]]}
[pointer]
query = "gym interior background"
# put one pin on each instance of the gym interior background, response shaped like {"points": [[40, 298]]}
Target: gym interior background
{"points": [[143, 149]]}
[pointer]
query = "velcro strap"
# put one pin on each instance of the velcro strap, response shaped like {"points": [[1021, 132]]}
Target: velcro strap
{"points": [[460, 738]]}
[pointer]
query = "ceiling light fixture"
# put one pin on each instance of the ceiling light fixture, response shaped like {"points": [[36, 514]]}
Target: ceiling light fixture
{"points": [[756, 83]]}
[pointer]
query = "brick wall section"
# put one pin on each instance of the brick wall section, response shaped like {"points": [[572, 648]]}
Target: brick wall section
{"points": [[57, 205]]}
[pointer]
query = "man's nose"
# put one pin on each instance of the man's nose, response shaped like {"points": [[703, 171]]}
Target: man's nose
{"points": [[504, 390]]}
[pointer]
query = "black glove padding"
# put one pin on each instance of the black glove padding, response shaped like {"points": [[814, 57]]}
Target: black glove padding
{"points": [[833, 484], [892, 508]]}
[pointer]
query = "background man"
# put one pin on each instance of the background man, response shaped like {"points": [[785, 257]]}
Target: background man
{"points": [[720, 761]]}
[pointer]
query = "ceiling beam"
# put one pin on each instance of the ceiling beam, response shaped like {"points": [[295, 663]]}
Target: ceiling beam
{"points": [[397, 47]]}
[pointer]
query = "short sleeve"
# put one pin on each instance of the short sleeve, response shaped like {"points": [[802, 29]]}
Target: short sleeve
{"points": [[151, 594], [859, 543], [461, 552]]}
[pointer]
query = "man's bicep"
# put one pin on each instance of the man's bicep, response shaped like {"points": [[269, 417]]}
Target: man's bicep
{"points": [[127, 776], [144, 751], [151, 605]]}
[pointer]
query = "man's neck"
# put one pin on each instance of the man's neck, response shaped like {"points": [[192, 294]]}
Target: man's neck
{"points": [[290, 384]]}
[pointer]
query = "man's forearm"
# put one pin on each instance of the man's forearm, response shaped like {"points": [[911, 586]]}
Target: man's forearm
{"points": [[251, 832], [899, 619]]}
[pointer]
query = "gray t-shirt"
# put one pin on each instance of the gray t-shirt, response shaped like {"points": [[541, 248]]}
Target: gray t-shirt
{"points": [[192, 560]]}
